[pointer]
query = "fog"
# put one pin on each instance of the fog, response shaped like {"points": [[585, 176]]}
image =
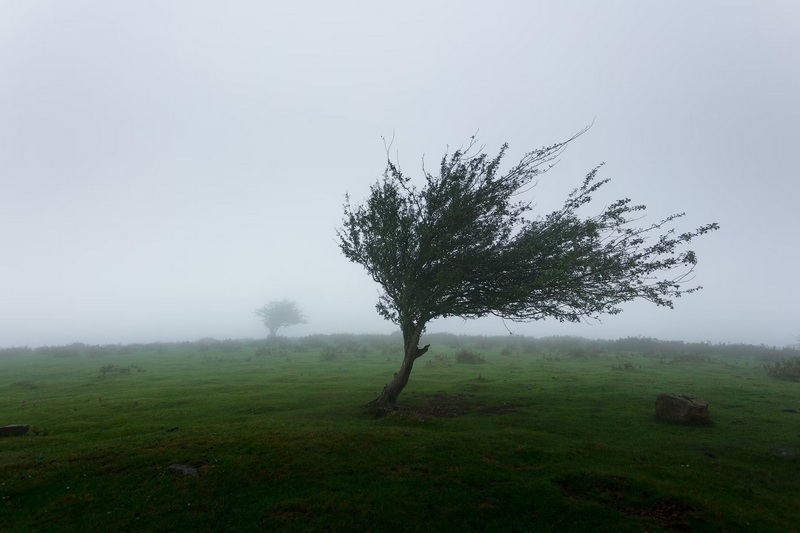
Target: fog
{"points": [[168, 167]]}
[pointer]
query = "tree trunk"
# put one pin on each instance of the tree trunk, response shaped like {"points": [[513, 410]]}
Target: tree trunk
{"points": [[392, 390]]}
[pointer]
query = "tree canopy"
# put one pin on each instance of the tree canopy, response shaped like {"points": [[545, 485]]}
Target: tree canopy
{"points": [[280, 313], [463, 244]]}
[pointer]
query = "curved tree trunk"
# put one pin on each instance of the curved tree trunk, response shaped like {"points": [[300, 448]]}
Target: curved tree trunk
{"points": [[392, 390]]}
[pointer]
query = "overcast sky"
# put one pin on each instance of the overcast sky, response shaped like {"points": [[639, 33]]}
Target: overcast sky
{"points": [[168, 167]]}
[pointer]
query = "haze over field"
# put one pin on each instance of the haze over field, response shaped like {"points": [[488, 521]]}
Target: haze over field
{"points": [[168, 167]]}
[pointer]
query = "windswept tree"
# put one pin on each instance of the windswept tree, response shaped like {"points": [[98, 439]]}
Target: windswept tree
{"points": [[277, 314], [462, 244]]}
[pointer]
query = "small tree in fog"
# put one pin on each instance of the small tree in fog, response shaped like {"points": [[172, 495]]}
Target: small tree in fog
{"points": [[281, 313], [462, 245]]}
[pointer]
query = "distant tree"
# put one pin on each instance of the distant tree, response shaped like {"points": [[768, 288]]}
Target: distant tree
{"points": [[461, 245], [281, 313]]}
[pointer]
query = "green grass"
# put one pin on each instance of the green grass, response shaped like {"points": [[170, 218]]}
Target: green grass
{"points": [[545, 441]]}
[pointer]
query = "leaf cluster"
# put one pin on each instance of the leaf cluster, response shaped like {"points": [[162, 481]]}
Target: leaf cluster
{"points": [[463, 245]]}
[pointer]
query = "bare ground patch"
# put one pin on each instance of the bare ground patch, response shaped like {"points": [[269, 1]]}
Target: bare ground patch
{"points": [[443, 405], [630, 498]]}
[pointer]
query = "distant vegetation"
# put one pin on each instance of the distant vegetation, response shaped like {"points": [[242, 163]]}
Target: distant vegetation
{"points": [[350, 343], [780, 363]]}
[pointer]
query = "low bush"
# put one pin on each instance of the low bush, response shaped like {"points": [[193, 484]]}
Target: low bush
{"points": [[787, 369], [329, 353], [469, 357], [115, 369], [691, 358], [267, 351]]}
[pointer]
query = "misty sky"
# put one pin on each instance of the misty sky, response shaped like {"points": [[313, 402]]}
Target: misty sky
{"points": [[168, 167]]}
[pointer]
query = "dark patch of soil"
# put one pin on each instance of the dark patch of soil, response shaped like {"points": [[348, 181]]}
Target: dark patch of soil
{"points": [[670, 514], [500, 409], [403, 470], [447, 406], [629, 498], [443, 405]]}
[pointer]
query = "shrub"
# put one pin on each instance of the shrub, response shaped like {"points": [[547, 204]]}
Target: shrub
{"points": [[691, 358], [329, 353], [469, 357], [267, 351], [786, 369], [105, 370]]}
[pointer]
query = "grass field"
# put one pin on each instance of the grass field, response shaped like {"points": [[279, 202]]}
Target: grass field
{"points": [[536, 438]]}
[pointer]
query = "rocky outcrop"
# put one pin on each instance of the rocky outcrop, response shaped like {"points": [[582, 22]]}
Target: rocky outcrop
{"points": [[682, 409], [14, 430]]}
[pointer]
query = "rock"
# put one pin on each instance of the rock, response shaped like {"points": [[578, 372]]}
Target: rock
{"points": [[682, 409], [785, 452], [14, 430], [186, 470]]}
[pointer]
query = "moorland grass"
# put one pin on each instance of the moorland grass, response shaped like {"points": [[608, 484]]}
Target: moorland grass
{"points": [[531, 439]]}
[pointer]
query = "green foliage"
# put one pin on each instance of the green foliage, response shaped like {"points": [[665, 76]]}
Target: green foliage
{"points": [[786, 369], [278, 314], [463, 245]]}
